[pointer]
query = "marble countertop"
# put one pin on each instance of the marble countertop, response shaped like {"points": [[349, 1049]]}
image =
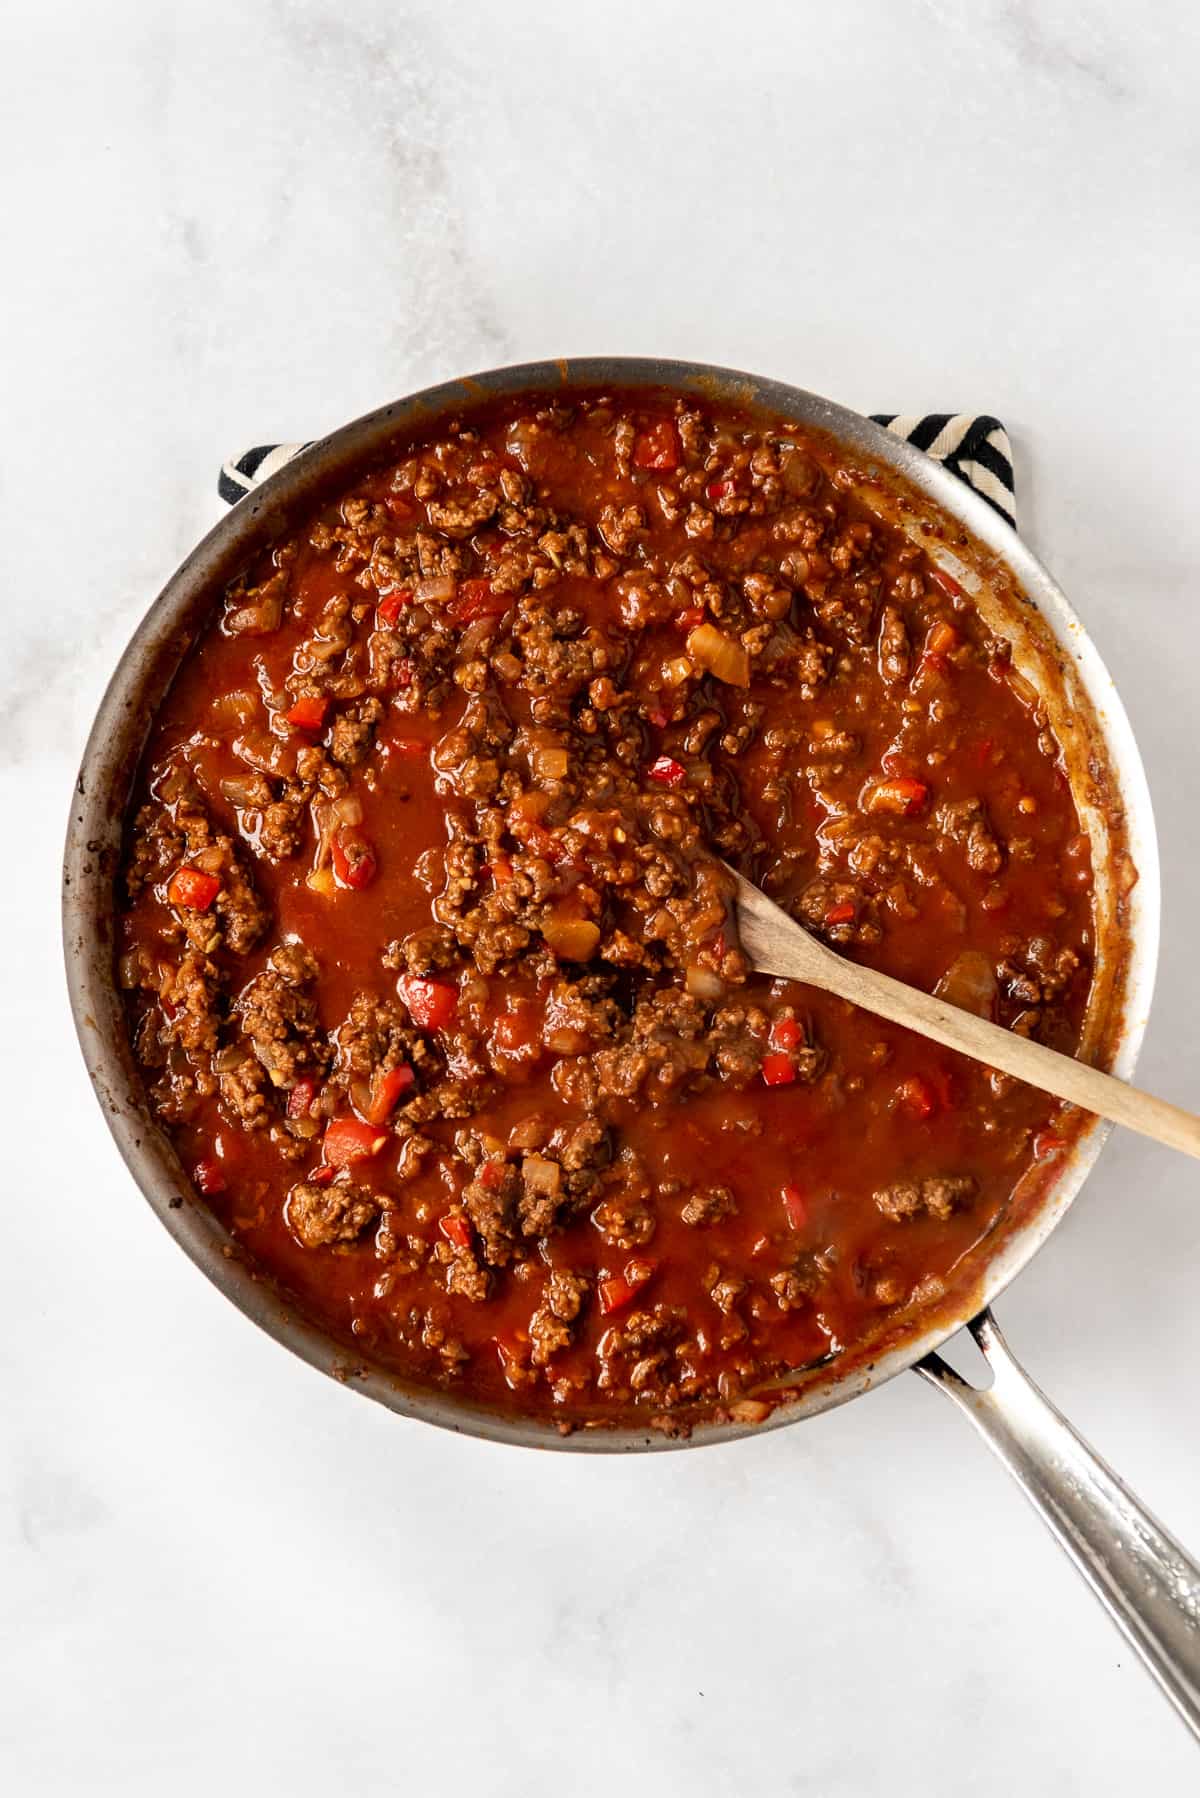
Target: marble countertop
{"points": [[233, 223]]}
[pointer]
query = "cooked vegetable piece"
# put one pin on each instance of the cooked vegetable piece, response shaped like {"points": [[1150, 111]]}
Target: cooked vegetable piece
{"points": [[193, 888]]}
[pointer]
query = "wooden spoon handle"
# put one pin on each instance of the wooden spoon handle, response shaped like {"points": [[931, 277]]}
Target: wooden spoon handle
{"points": [[1000, 1048]]}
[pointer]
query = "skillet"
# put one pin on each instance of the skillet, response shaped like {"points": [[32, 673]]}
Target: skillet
{"points": [[1146, 1580]]}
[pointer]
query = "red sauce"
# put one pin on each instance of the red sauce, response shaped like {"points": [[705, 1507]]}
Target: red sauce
{"points": [[473, 738]]}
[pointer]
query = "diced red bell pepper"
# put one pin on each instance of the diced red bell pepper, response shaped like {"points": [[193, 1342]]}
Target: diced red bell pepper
{"points": [[301, 1096], [517, 1027], [455, 1228], [785, 1034], [348, 1140], [354, 860], [475, 599], [690, 617], [945, 1085], [842, 913], [192, 888], [657, 446], [1046, 1144], [777, 1070], [308, 713], [899, 795], [431, 1003], [719, 489], [895, 761], [667, 771], [491, 1174], [536, 838], [947, 583], [209, 1177], [387, 1089], [917, 1097], [941, 640], [621, 1289], [392, 604], [401, 508], [795, 1207]]}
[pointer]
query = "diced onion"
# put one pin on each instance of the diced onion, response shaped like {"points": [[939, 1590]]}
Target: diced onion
{"points": [[436, 588], [541, 1176], [702, 983], [721, 655], [969, 983], [259, 749], [175, 783], [798, 474], [131, 967], [550, 763], [475, 636], [347, 809], [237, 707], [1025, 690], [572, 939], [255, 620], [242, 790]]}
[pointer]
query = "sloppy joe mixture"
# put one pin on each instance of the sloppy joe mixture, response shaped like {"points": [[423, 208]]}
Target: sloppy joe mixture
{"points": [[430, 961]]}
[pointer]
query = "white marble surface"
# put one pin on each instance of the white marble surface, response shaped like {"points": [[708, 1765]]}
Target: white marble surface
{"points": [[231, 222]]}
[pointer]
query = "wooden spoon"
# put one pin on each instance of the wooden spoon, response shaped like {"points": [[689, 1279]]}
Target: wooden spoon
{"points": [[775, 945]]}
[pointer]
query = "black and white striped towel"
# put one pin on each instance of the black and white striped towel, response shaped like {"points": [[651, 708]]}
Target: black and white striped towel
{"points": [[973, 445]]}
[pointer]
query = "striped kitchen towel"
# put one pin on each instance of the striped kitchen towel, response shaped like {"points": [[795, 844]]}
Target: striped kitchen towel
{"points": [[973, 445]]}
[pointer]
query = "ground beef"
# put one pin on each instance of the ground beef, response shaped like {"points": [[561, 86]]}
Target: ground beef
{"points": [[490, 1201], [550, 1325], [375, 1036], [192, 996], [465, 1276], [319, 1216], [707, 1205], [353, 729], [937, 1196], [282, 829], [626, 1216], [245, 1090], [638, 1354], [278, 1015], [1038, 972], [965, 822], [895, 654], [665, 1050]]}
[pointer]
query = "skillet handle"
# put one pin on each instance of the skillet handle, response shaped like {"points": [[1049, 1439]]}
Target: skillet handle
{"points": [[1145, 1579]]}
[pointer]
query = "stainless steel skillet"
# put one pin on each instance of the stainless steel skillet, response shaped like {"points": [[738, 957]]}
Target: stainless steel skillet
{"points": [[1146, 1580]]}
